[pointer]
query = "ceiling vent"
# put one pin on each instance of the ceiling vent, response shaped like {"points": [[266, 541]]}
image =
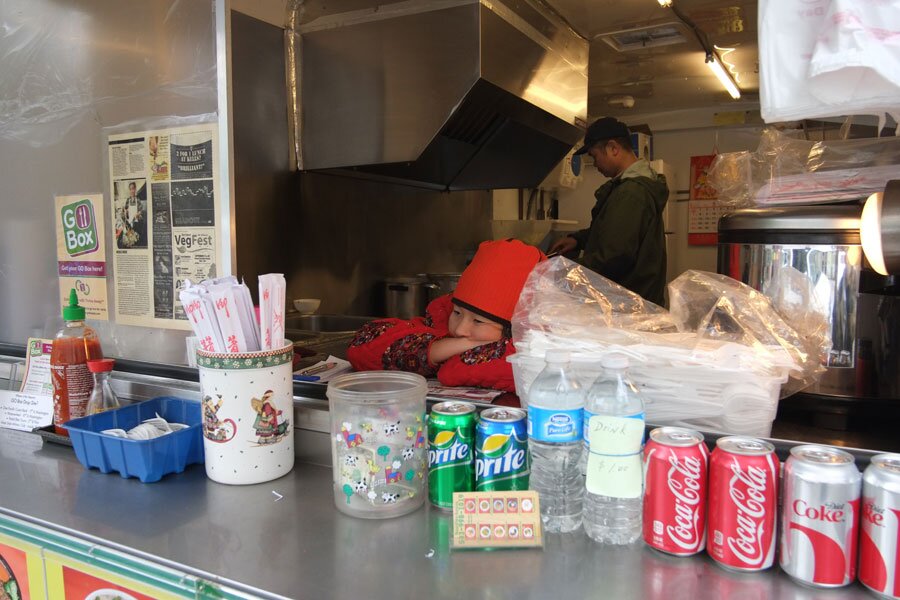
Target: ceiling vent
{"points": [[642, 38]]}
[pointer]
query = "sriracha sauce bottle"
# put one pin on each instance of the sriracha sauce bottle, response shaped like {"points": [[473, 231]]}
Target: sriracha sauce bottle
{"points": [[74, 345]]}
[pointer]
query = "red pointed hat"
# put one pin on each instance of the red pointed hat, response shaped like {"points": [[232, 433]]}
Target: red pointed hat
{"points": [[491, 284]]}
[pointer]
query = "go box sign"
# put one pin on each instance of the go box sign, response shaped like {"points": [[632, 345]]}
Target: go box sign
{"points": [[79, 228]]}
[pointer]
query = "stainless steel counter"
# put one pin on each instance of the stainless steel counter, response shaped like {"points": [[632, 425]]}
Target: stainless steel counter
{"points": [[300, 546]]}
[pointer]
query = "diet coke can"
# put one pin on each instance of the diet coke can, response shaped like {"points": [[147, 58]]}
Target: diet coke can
{"points": [[675, 464], [743, 503], [879, 558], [819, 516]]}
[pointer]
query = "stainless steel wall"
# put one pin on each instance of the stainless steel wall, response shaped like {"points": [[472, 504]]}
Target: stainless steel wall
{"points": [[347, 235], [69, 70], [72, 70], [264, 183]]}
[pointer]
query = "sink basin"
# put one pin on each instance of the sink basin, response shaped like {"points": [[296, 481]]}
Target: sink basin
{"points": [[326, 323], [300, 337]]}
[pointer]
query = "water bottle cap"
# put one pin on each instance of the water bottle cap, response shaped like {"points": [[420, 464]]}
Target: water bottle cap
{"points": [[614, 361], [557, 356]]}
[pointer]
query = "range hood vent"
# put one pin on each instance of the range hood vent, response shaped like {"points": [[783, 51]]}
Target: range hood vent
{"points": [[445, 98], [645, 37]]}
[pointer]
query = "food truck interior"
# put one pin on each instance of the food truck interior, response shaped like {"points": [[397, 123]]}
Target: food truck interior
{"points": [[364, 148], [364, 141]]}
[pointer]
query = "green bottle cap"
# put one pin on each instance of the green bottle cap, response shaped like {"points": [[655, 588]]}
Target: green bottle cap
{"points": [[73, 312]]}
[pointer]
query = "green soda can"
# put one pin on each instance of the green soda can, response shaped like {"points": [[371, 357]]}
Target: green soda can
{"points": [[451, 440], [501, 450]]}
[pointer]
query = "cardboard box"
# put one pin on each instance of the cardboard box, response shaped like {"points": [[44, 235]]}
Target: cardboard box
{"points": [[642, 143]]}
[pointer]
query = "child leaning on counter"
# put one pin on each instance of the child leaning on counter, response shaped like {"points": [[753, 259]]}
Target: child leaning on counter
{"points": [[464, 337]]}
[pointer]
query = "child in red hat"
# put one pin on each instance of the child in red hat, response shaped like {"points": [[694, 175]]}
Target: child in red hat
{"points": [[464, 337]]}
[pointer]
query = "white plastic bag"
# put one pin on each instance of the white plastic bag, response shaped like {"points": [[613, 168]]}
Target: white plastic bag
{"points": [[721, 369], [856, 59], [827, 58]]}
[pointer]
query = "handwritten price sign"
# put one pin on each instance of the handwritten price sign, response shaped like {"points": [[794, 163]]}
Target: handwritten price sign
{"points": [[614, 465]]}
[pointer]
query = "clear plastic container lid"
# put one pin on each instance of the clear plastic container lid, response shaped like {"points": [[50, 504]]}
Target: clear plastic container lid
{"points": [[614, 361], [558, 357], [377, 387]]}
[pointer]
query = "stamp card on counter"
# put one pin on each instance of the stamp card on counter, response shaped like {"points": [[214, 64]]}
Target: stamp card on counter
{"points": [[496, 520]]}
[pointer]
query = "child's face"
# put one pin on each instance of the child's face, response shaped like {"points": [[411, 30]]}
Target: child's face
{"points": [[464, 323]]}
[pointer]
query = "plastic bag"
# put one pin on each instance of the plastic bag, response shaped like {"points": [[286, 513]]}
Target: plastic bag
{"points": [[826, 58], [566, 298], [786, 169], [721, 308], [718, 361]]}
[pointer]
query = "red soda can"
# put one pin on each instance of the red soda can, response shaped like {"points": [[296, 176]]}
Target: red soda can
{"points": [[743, 503], [820, 516], [879, 557], [675, 464]]}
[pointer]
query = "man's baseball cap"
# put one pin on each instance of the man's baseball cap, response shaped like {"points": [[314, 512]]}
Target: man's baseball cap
{"points": [[606, 128]]}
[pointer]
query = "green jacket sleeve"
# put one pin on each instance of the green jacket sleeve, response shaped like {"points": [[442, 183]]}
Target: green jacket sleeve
{"points": [[615, 235]]}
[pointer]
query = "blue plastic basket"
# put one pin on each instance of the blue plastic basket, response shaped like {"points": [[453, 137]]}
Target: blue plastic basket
{"points": [[148, 460]]}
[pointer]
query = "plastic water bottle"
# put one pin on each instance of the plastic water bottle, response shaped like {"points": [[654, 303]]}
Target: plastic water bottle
{"points": [[614, 464], [555, 404]]}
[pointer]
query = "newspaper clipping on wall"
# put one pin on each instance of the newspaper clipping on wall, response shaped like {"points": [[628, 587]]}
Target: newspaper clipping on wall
{"points": [[164, 218]]}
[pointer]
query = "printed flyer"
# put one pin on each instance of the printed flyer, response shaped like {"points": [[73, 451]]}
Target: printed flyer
{"points": [[81, 253], [163, 190]]}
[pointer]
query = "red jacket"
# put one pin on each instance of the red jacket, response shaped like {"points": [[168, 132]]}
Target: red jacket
{"points": [[400, 345]]}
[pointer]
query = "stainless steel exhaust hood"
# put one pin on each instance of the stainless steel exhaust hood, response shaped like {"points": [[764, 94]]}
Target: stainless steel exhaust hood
{"points": [[444, 94]]}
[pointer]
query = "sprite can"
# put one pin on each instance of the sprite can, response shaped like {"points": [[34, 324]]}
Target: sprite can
{"points": [[451, 465], [501, 450]]}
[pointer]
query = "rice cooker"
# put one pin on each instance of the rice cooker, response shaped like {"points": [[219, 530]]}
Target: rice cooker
{"points": [[809, 262]]}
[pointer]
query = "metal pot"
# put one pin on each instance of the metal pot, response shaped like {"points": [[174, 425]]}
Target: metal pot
{"points": [[406, 297], [443, 283]]}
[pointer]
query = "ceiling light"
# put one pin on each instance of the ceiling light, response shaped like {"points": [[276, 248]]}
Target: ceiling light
{"points": [[665, 3], [879, 229], [715, 65], [624, 101]]}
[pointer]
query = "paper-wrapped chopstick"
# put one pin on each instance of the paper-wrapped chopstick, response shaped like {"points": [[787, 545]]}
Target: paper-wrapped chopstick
{"points": [[272, 291]]}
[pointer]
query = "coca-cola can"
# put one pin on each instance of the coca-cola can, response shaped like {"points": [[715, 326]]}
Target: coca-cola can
{"points": [[743, 503], [676, 463], [879, 558], [820, 516]]}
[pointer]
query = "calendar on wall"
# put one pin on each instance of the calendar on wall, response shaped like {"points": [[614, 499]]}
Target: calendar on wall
{"points": [[704, 209]]}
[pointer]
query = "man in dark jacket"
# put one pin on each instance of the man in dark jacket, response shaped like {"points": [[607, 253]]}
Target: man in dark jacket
{"points": [[625, 241]]}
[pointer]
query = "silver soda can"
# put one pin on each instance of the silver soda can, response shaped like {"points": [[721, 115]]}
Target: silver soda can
{"points": [[878, 554], [820, 516]]}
